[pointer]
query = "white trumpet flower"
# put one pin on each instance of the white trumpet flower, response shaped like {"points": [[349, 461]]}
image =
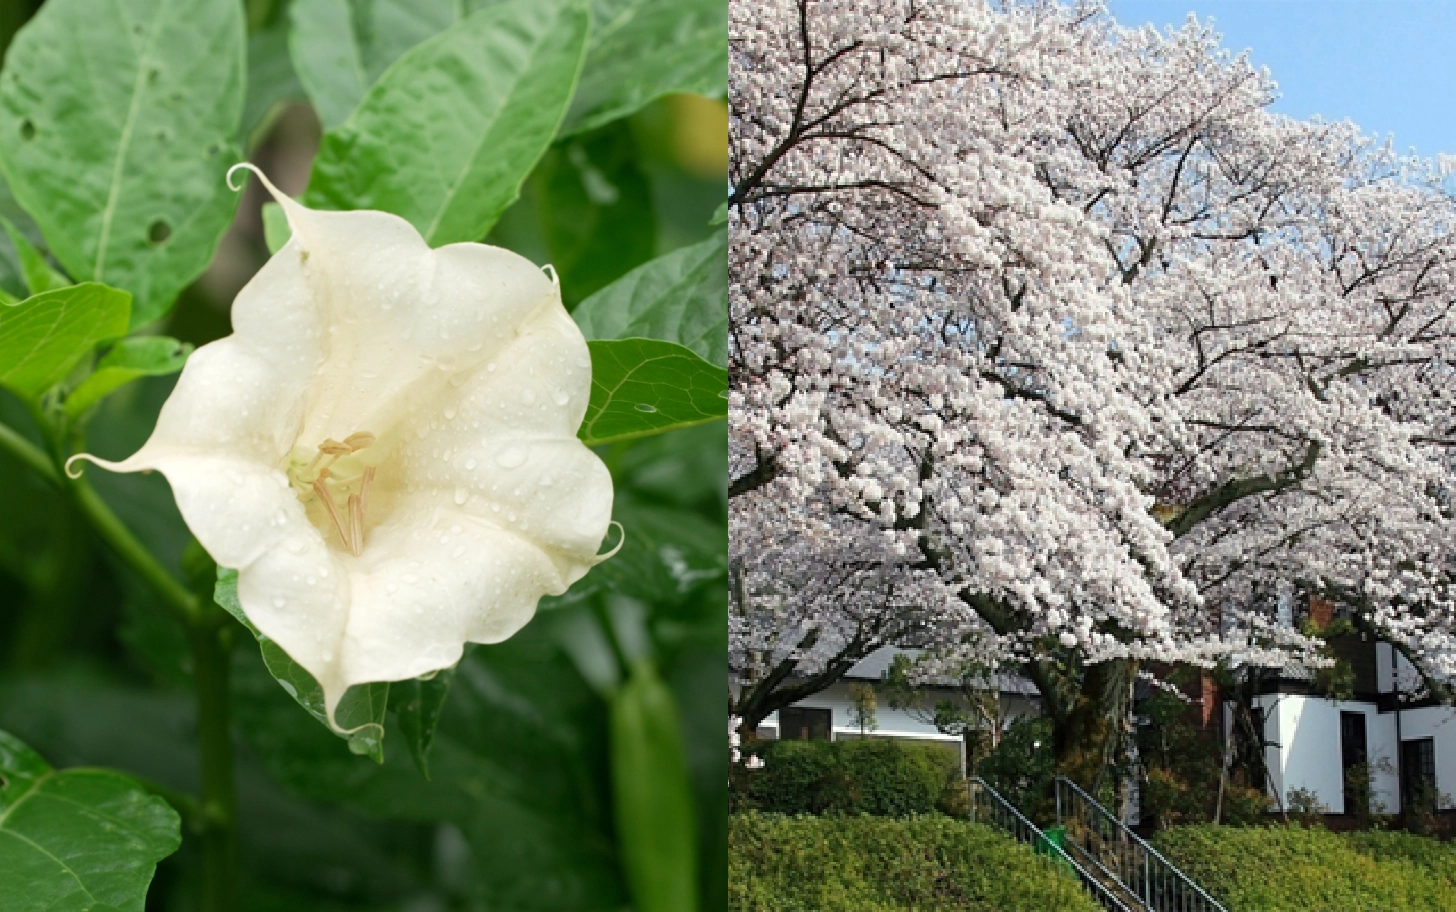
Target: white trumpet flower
{"points": [[385, 448]]}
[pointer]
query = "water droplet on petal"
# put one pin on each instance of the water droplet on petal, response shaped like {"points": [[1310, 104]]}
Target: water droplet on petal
{"points": [[461, 495], [561, 397], [469, 464], [511, 457]]}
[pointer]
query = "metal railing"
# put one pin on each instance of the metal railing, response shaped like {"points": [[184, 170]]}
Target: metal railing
{"points": [[1121, 854], [987, 806]]}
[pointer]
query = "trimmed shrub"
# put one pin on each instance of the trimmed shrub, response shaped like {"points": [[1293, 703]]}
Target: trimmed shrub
{"points": [[873, 864], [880, 777], [1303, 869]]}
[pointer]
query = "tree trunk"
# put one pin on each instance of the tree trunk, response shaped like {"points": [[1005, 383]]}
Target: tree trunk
{"points": [[1087, 736]]}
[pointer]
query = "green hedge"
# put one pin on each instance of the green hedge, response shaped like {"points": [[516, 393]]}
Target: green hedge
{"points": [[875, 864], [1298, 869], [880, 777]]}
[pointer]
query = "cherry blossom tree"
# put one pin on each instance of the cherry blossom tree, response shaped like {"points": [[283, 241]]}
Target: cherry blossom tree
{"points": [[1056, 330]]}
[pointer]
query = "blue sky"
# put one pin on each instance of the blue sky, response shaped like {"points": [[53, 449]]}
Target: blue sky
{"points": [[1388, 65]]}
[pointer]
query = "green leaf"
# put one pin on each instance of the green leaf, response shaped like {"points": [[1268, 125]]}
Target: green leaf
{"points": [[645, 386], [681, 297], [654, 802], [644, 49], [288, 845], [12, 279], [38, 274], [720, 215], [275, 227], [417, 704], [594, 205], [326, 57], [519, 765], [341, 47], [271, 80], [78, 839], [667, 554], [43, 337], [140, 356], [117, 124], [360, 712], [449, 133]]}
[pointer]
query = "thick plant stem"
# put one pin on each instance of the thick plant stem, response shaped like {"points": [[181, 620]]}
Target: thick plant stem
{"points": [[132, 552], [210, 639]]}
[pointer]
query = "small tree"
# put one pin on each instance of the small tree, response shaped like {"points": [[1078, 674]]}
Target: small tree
{"points": [[863, 713]]}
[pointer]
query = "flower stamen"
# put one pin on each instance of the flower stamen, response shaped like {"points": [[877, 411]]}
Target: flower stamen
{"points": [[322, 492]]}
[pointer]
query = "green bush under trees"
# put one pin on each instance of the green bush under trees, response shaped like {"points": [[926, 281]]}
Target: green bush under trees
{"points": [[879, 777], [872, 864], [1300, 869]]}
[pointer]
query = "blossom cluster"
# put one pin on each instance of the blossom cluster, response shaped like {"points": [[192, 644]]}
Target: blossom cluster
{"points": [[1049, 334]]}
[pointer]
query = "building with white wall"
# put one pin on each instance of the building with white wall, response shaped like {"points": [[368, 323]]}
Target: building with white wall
{"points": [[829, 714], [1408, 747]]}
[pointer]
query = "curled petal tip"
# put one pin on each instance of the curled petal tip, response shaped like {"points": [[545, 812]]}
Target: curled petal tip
{"points": [[234, 169], [551, 271], [273, 191], [76, 472], [621, 540]]}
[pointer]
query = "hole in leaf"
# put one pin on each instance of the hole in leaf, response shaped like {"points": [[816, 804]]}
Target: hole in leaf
{"points": [[27, 130], [213, 150], [159, 231], [644, 407]]}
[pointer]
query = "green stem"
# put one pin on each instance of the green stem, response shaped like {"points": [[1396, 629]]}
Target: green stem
{"points": [[210, 637], [111, 529], [28, 453], [211, 642], [132, 552]]}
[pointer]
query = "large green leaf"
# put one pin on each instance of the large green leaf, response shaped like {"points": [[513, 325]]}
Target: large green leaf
{"points": [[681, 297], [644, 49], [594, 205], [449, 133], [654, 802], [646, 386], [38, 274], [129, 359], [341, 47], [77, 839], [360, 712], [43, 337], [272, 81], [117, 124], [326, 57]]}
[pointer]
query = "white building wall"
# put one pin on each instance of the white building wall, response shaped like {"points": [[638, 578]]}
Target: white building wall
{"points": [[1439, 724], [1305, 749]]}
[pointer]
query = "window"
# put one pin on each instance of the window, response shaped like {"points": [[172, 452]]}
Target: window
{"points": [[1418, 774], [1354, 763], [798, 723]]}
